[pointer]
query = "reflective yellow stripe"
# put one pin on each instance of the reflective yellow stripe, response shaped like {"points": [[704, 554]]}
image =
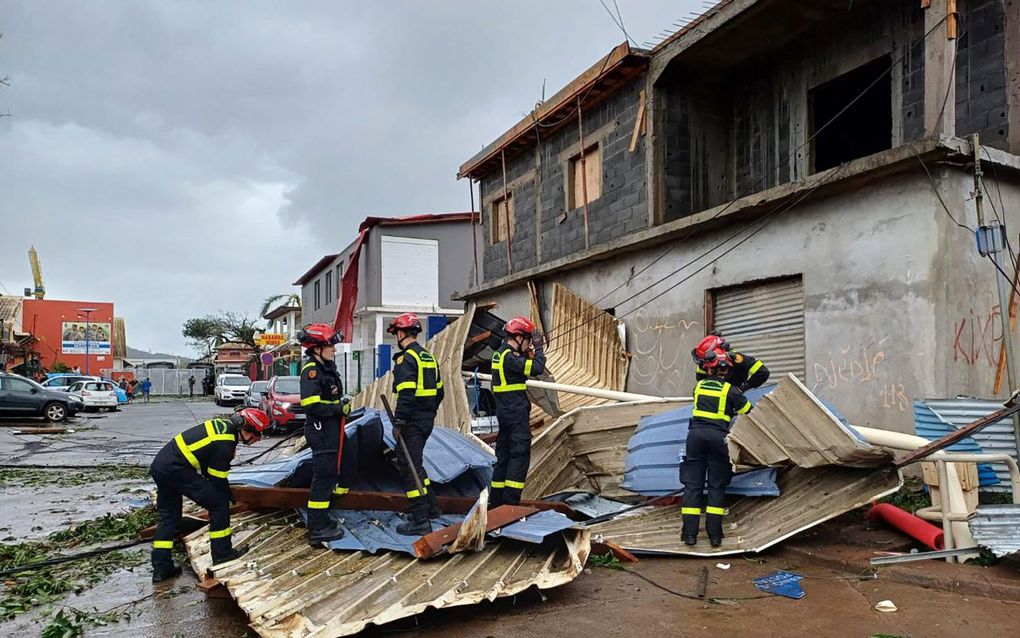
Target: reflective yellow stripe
{"points": [[317, 399], [754, 368], [220, 533], [745, 409], [704, 390], [715, 510], [423, 364], [700, 370], [696, 511], [340, 491], [498, 485], [162, 544], [179, 439], [406, 385], [318, 505], [527, 367], [427, 481], [515, 484], [217, 473], [413, 494], [499, 383], [307, 365]]}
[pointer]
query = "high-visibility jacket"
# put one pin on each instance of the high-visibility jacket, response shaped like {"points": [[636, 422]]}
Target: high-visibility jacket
{"points": [[207, 448], [418, 384], [322, 391], [509, 373], [745, 373], [716, 402]]}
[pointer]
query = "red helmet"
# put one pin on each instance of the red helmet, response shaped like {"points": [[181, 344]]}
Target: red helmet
{"points": [[716, 359], [318, 334], [408, 322], [255, 420], [520, 326], [725, 345], [706, 345]]}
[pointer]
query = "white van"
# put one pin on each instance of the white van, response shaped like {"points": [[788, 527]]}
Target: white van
{"points": [[231, 388]]}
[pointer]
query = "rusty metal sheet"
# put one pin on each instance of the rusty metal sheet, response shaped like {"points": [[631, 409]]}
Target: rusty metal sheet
{"points": [[290, 590], [809, 497], [789, 426]]}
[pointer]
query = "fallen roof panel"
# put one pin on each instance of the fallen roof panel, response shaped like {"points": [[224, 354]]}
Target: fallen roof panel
{"points": [[290, 590], [537, 527], [997, 527]]}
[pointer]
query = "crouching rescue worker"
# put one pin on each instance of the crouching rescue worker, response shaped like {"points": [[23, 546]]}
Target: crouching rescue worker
{"points": [[745, 373], [324, 406], [419, 390], [195, 464], [516, 360], [707, 458]]}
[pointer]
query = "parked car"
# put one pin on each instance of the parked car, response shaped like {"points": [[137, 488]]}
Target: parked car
{"points": [[253, 398], [231, 388], [122, 396], [95, 395], [23, 397], [282, 402], [63, 380]]}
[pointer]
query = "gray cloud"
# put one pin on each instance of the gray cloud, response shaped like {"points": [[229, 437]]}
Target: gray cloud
{"points": [[178, 158]]}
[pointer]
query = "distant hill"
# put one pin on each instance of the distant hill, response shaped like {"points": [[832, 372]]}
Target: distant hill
{"points": [[135, 353]]}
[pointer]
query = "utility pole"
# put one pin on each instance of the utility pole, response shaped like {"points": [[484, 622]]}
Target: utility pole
{"points": [[990, 239]]}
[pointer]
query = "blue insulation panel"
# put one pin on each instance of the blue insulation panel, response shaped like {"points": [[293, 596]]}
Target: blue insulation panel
{"points": [[535, 528]]}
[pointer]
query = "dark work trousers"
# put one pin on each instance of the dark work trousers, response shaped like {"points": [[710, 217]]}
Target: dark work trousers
{"points": [[324, 439], [513, 458], [414, 436], [171, 485], [707, 457]]}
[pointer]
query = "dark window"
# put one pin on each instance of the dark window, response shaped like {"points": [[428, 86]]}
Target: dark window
{"points": [[864, 127], [329, 286], [17, 385], [318, 295]]}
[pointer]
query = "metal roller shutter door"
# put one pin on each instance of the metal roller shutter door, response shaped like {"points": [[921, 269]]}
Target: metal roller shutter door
{"points": [[766, 321]]}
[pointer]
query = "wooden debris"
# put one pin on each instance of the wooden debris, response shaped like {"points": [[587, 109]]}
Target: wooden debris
{"points": [[40, 431]]}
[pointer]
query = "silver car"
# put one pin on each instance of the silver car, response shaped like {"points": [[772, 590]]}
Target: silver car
{"points": [[253, 398]]}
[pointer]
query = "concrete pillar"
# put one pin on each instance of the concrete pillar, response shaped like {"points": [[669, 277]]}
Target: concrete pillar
{"points": [[939, 73], [1011, 10]]}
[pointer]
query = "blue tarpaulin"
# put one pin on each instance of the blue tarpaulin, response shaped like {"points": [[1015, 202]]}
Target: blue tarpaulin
{"points": [[371, 531]]}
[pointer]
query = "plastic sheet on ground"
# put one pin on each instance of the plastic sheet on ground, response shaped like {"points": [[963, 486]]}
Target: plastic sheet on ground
{"points": [[374, 530]]}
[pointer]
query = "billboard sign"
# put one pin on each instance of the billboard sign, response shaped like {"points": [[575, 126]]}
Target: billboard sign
{"points": [[270, 339], [73, 338]]}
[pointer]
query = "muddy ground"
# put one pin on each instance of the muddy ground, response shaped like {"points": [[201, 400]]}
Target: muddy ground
{"points": [[602, 602]]}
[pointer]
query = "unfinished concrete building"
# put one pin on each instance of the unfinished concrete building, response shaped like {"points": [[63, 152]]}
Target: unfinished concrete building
{"points": [[797, 175]]}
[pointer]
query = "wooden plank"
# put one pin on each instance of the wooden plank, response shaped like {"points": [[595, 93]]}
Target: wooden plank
{"points": [[432, 544], [1014, 306], [639, 123], [40, 431]]}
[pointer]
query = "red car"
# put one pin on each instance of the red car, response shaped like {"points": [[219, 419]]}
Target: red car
{"points": [[280, 400]]}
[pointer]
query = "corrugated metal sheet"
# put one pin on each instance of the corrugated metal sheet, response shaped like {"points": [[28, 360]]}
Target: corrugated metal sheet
{"points": [[290, 590], [809, 497], [997, 438], [586, 449], [997, 527], [537, 527], [590, 505], [372, 530], [448, 348], [585, 349], [767, 320], [658, 445], [789, 426], [932, 427]]}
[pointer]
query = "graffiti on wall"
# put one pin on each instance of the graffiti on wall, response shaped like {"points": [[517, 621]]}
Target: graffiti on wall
{"points": [[660, 353], [860, 371], [977, 338]]}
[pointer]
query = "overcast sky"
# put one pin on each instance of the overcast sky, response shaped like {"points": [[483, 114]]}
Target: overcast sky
{"points": [[179, 158]]}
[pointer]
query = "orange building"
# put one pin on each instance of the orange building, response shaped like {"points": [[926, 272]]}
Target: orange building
{"points": [[61, 327]]}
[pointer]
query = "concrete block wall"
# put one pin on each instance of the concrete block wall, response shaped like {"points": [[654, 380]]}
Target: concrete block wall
{"points": [[544, 230], [912, 79], [981, 105]]}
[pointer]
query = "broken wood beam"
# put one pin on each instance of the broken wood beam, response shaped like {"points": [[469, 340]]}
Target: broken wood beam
{"points": [[639, 123], [622, 555], [431, 544], [272, 498], [1012, 406], [212, 588], [31, 430]]}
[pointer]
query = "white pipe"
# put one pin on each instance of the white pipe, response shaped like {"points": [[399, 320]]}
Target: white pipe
{"points": [[958, 534], [600, 393]]}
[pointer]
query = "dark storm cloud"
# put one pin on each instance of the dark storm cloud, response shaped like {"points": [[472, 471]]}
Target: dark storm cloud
{"points": [[183, 157]]}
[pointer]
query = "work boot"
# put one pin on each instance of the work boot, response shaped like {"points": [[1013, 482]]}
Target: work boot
{"points": [[434, 510], [229, 555], [159, 575], [415, 527], [716, 541], [690, 540], [333, 532]]}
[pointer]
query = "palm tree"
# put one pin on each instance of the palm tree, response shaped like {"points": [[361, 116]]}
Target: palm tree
{"points": [[291, 299]]}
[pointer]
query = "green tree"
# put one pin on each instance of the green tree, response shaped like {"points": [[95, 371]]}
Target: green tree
{"points": [[290, 298], [204, 333]]}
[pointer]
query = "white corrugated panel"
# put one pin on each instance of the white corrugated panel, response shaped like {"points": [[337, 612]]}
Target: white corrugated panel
{"points": [[766, 321], [410, 272], [997, 438]]}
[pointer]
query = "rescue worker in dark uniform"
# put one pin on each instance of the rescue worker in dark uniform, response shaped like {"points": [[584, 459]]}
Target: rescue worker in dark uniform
{"points": [[195, 464], [419, 389], [746, 372], [324, 406], [716, 402], [512, 364]]}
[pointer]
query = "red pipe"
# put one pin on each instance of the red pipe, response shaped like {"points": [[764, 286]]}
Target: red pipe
{"points": [[913, 526]]}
